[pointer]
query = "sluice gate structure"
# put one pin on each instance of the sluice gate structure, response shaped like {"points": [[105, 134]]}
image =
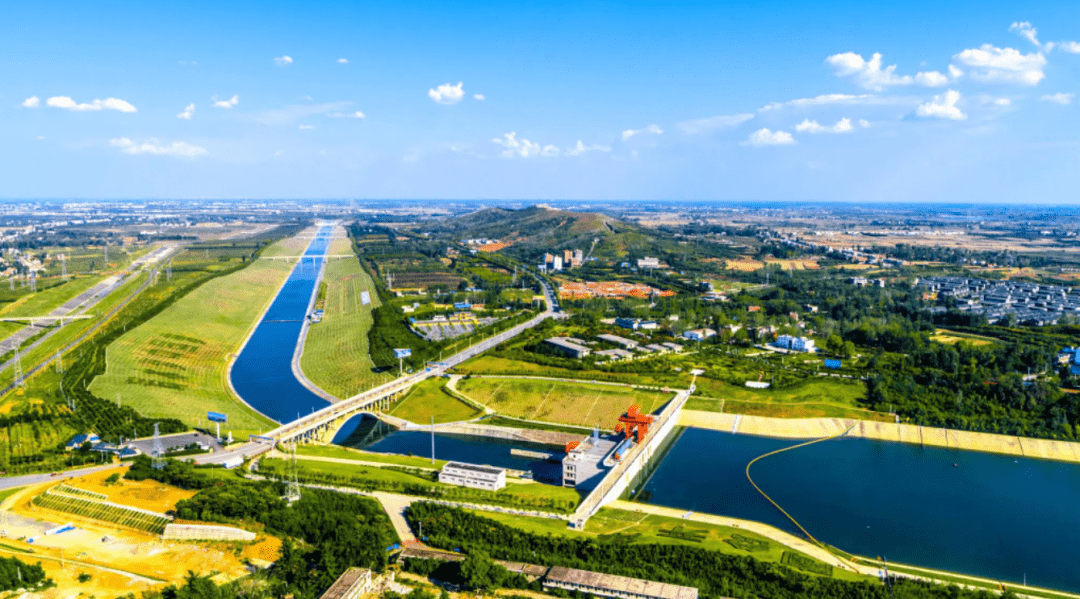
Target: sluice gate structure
{"points": [[619, 478]]}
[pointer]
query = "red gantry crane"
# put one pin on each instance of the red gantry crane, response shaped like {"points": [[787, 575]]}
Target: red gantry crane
{"points": [[634, 424]]}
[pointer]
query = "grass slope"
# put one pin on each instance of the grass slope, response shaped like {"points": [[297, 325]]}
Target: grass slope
{"points": [[175, 365], [428, 399], [336, 352], [581, 404]]}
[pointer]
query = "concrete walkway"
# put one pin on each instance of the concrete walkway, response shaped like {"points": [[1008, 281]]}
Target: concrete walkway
{"points": [[395, 506], [813, 428]]}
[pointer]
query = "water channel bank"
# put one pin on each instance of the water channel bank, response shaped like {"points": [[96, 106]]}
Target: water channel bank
{"points": [[262, 374], [814, 428]]}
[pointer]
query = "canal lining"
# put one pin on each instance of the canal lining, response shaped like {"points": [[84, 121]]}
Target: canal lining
{"points": [[777, 505]]}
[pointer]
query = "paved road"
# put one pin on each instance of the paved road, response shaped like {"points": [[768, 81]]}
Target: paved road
{"points": [[12, 482]]}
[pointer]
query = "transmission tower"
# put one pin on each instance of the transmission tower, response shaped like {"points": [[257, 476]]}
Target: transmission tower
{"points": [[18, 368], [59, 360], [106, 255], [168, 271], [33, 281], [11, 280], [63, 267], [292, 481], [158, 452]]}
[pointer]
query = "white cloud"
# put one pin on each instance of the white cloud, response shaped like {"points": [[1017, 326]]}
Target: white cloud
{"points": [[712, 123], [283, 61], [447, 94], [954, 72], [864, 123], [1027, 31], [296, 112], [31, 102], [651, 130], [841, 99], [106, 104], [347, 115], [343, 61], [480, 97], [869, 74], [306, 127], [931, 79], [189, 111], [943, 106], [1002, 102], [808, 126], [1003, 65], [1070, 47], [1058, 98], [226, 104], [581, 148], [523, 147], [152, 146], [765, 137]]}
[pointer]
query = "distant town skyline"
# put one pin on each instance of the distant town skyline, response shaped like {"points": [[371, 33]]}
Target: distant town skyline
{"points": [[836, 101]]}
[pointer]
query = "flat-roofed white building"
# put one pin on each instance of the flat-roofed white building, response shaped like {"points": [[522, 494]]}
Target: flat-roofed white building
{"points": [[352, 584], [473, 476], [617, 340], [568, 346], [608, 585]]}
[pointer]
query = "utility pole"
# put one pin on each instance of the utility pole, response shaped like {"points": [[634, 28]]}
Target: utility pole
{"points": [[63, 267], [18, 368], [106, 253], [33, 281]]}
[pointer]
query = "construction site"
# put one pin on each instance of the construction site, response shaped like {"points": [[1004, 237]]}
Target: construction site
{"points": [[103, 535], [609, 289]]}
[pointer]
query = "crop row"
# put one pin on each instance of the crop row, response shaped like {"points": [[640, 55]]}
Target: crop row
{"points": [[102, 511]]}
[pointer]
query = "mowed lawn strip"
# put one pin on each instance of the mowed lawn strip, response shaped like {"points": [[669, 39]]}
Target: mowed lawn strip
{"points": [[336, 351], [429, 398], [580, 404], [175, 365]]}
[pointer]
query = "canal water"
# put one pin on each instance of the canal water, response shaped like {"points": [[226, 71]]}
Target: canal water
{"points": [[365, 433], [969, 512], [262, 374]]}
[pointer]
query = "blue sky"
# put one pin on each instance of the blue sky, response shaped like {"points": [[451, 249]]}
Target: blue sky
{"points": [[968, 102]]}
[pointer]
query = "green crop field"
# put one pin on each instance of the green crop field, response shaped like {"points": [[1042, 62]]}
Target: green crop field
{"points": [[428, 399], [175, 365], [102, 511], [581, 404], [336, 351]]}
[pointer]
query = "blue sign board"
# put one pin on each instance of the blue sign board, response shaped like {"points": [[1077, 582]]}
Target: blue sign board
{"points": [[833, 364], [217, 417], [402, 353]]}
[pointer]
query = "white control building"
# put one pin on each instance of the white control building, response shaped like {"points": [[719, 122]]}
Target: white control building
{"points": [[473, 476]]}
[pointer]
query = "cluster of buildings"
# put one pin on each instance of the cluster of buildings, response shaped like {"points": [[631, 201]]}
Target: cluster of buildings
{"points": [[610, 289], [851, 254], [627, 349], [1032, 303], [568, 259], [863, 282]]}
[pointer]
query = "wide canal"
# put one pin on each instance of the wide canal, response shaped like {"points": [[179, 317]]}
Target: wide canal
{"points": [[969, 512], [262, 374]]}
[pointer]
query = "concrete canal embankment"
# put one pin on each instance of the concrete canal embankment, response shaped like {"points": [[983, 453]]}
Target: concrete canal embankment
{"points": [[811, 428]]}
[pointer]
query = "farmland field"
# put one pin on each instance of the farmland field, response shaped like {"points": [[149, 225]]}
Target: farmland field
{"points": [[581, 404], [96, 510], [429, 399], [336, 351], [44, 301], [175, 364]]}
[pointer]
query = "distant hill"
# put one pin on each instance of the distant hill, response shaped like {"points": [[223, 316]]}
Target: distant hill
{"points": [[538, 229]]}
